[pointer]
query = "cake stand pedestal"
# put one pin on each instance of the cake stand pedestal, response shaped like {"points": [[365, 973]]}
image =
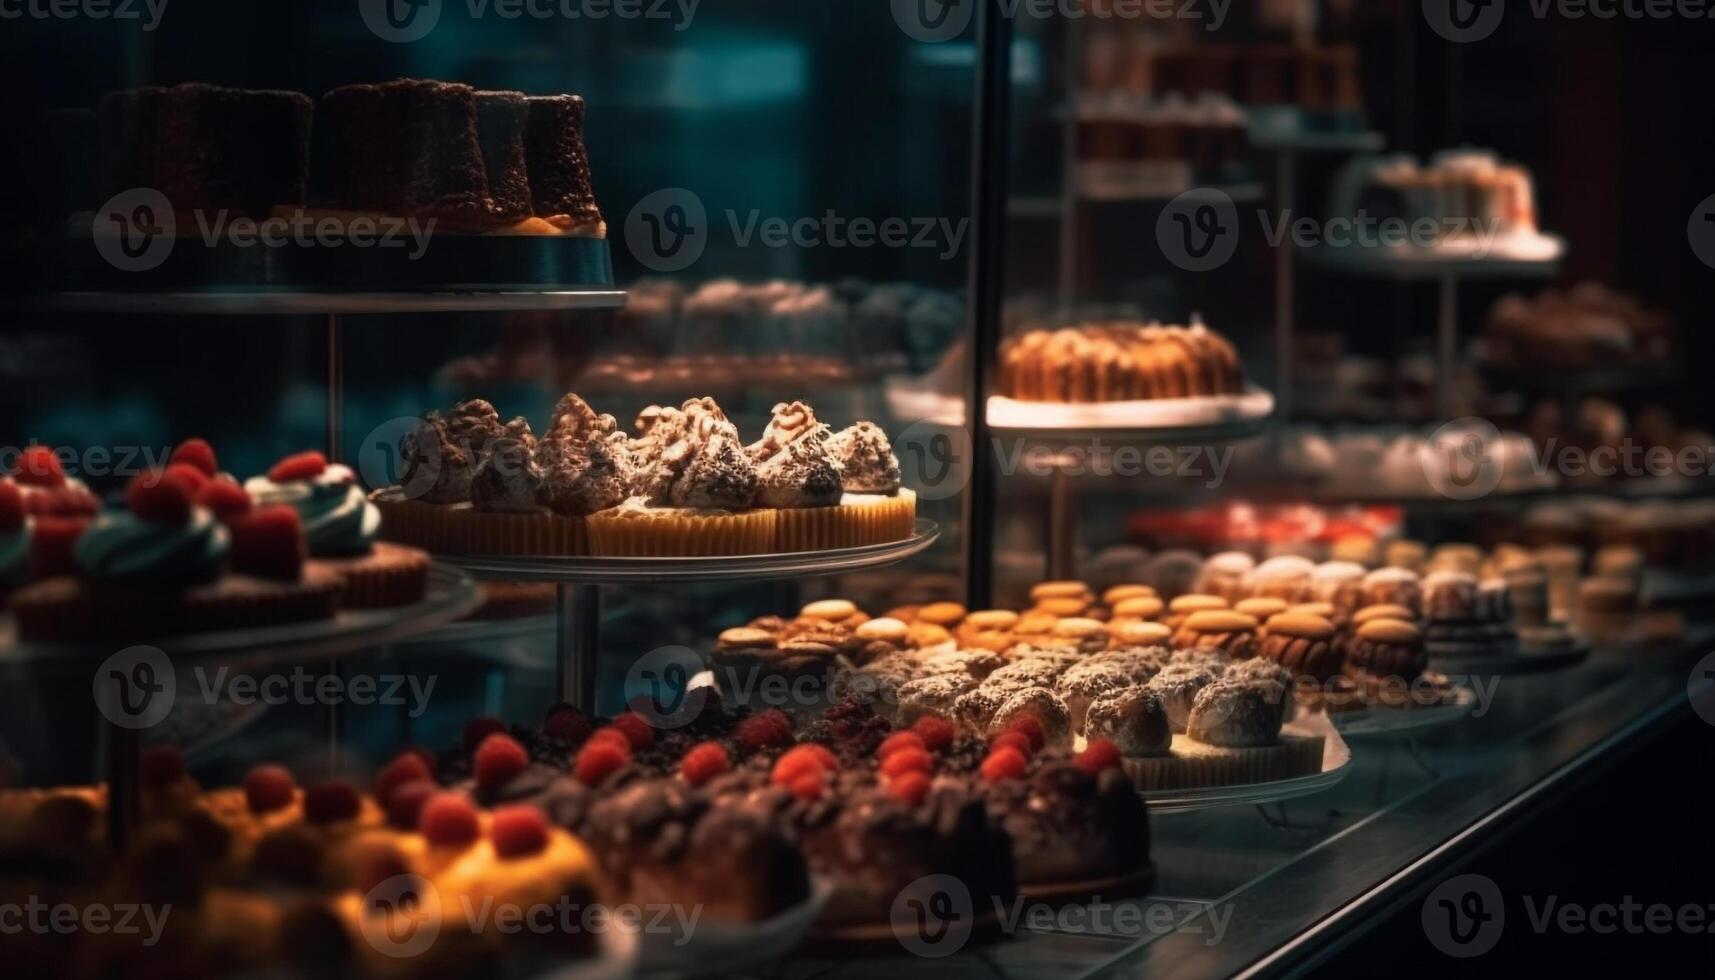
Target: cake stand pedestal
{"points": [[579, 580]]}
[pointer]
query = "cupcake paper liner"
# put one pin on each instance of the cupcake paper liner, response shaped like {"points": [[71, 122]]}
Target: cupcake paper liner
{"points": [[1193, 765], [390, 575], [859, 519], [65, 609], [668, 533], [442, 529], [489, 533]]}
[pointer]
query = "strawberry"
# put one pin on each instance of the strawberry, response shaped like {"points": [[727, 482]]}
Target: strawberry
{"points": [[907, 760], [897, 741], [198, 454], [567, 724], [160, 497], [299, 466], [909, 788], [498, 759], [192, 478], [518, 831], [332, 801], [449, 819], [405, 804], [39, 466], [599, 760], [408, 767], [636, 729], [936, 733], [268, 788], [226, 498], [269, 543], [1030, 727]]}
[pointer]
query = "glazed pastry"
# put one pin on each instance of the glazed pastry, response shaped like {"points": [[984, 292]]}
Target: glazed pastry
{"points": [[1302, 644], [1387, 648], [1232, 633], [1341, 585], [1285, 577], [1394, 586], [1226, 575]]}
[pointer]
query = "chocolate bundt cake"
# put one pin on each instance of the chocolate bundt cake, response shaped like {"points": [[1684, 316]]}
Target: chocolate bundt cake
{"points": [[502, 118], [560, 189], [405, 147], [207, 148]]}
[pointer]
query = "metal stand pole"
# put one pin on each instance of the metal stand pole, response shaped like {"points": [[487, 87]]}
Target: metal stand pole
{"points": [[987, 274], [336, 388], [123, 748], [1284, 288], [578, 635], [1446, 344], [1062, 544]]}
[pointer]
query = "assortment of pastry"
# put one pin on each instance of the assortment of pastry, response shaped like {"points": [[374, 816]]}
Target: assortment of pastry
{"points": [[1118, 361], [1124, 667], [1322, 79], [1585, 326], [478, 162], [193, 550], [1464, 193], [684, 484]]}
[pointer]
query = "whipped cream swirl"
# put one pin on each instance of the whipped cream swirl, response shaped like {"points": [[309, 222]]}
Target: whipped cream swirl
{"points": [[122, 546], [338, 518]]}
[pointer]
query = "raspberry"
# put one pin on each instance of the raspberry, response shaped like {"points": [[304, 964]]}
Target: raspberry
{"points": [[636, 729], [52, 545], [196, 453], [407, 768], [936, 733], [190, 477], [1017, 740], [1006, 763], [227, 499], [268, 788], [899, 740], [612, 736], [269, 543], [159, 497], [67, 501], [765, 729], [161, 765], [449, 820], [703, 762], [333, 800], [810, 786], [1098, 755], [11, 506], [518, 831], [802, 761], [599, 760], [498, 759], [480, 728], [405, 804], [907, 760], [1030, 727], [39, 466], [909, 788], [299, 466], [568, 724]]}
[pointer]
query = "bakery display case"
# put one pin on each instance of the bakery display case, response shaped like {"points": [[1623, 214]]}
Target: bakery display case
{"points": [[598, 490]]}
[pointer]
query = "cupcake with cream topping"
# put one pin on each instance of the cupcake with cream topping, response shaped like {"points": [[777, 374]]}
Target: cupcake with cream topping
{"points": [[876, 507]]}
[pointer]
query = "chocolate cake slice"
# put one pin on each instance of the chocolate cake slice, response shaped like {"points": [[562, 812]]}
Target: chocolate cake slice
{"points": [[559, 167], [501, 120], [222, 148], [405, 147], [125, 139]]}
